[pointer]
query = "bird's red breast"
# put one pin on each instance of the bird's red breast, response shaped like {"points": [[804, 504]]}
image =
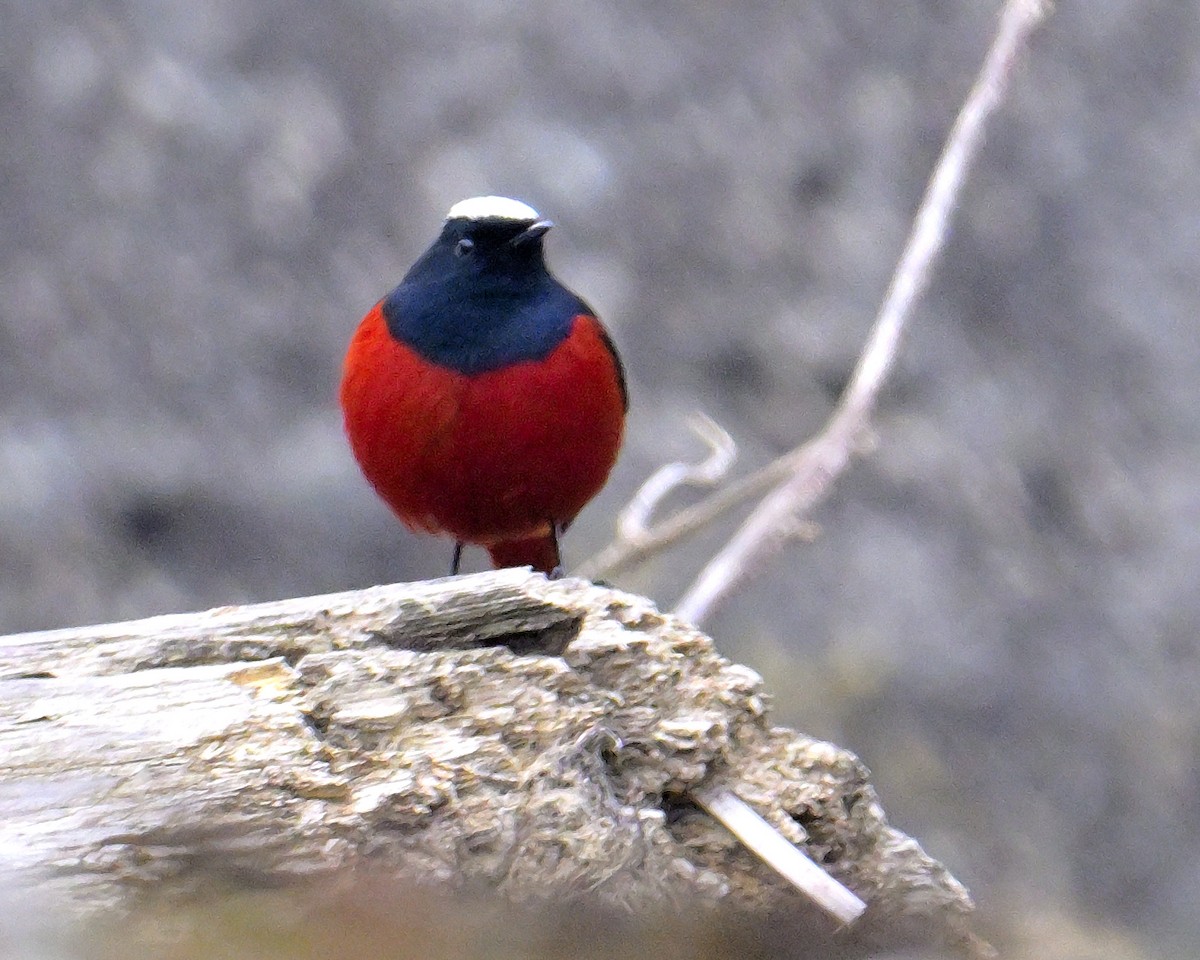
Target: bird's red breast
{"points": [[491, 457]]}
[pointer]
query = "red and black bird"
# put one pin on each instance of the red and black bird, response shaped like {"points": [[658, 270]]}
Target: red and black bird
{"points": [[484, 400]]}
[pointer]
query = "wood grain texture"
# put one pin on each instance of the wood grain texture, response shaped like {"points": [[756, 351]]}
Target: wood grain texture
{"points": [[539, 738]]}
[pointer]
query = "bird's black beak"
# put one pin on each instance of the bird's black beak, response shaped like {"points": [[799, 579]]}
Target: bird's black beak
{"points": [[532, 232]]}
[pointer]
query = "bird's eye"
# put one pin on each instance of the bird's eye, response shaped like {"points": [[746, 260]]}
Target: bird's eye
{"points": [[464, 247]]}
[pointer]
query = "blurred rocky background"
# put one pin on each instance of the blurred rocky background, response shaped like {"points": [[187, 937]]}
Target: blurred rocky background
{"points": [[199, 200]]}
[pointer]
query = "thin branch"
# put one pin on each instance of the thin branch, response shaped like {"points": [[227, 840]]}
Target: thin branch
{"points": [[824, 457], [637, 540], [622, 553], [633, 522]]}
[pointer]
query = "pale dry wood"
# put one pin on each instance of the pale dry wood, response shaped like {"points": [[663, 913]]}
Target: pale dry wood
{"points": [[543, 738]]}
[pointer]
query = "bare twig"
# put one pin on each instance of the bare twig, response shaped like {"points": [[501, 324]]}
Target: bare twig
{"points": [[623, 553], [770, 846], [824, 457], [633, 522], [636, 538], [626, 552]]}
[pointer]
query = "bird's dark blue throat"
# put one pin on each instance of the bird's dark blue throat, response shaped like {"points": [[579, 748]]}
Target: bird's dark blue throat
{"points": [[476, 301]]}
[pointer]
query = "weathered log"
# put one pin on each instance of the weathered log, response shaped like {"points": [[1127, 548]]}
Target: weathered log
{"points": [[538, 737]]}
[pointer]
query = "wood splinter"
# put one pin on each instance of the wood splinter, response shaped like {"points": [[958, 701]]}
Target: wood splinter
{"points": [[782, 856]]}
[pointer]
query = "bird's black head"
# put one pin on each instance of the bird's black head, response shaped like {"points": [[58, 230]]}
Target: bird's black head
{"points": [[492, 241], [481, 297]]}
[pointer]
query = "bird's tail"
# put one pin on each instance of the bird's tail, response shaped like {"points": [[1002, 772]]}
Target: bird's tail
{"points": [[541, 553]]}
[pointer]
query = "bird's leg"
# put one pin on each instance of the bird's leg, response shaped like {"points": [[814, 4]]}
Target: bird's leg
{"points": [[556, 531], [456, 560]]}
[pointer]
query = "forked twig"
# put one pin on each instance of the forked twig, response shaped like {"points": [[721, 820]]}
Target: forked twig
{"points": [[634, 521], [824, 457], [636, 538]]}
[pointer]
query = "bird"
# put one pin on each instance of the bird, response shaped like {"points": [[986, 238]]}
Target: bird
{"points": [[483, 400]]}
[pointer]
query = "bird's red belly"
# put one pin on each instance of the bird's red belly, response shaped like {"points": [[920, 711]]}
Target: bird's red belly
{"points": [[489, 456]]}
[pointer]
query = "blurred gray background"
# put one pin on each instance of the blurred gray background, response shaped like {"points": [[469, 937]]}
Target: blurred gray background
{"points": [[201, 199]]}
